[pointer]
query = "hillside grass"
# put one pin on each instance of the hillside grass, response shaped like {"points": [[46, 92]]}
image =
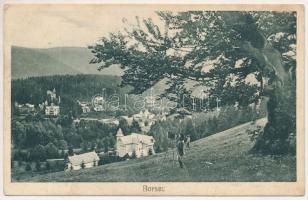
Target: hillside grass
{"points": [[220, 157]]}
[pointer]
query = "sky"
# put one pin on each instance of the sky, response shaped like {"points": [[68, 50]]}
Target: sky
{"points": [[70, 25], [47, 26]]}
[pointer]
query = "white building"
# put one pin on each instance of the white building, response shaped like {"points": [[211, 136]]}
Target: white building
{"points": [[150, 101], [52, 107], [24, 107], [89, 160], [85, 109], [84, 106], [52, 94], [98, 103], [143, 115], [52, 110], [145, 120], [112, 121], [138, 143]]}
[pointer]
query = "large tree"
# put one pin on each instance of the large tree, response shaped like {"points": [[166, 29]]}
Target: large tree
{"points": [[237, 56]]}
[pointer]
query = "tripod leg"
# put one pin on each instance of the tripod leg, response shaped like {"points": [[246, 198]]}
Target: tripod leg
{"points": [[172, 158], [173, 154], [180, 162], [165, 156]]}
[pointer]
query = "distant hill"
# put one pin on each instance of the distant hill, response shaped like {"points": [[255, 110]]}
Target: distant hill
{"points": [[29, 62]]}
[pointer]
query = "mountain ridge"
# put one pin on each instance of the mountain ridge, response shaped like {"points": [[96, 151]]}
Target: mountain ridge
{"points": [[30, 62]]}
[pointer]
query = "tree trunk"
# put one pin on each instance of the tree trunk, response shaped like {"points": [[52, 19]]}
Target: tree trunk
{"points": [[278, 136]]}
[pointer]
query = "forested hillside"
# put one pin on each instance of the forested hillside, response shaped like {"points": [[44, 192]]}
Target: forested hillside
{"points": [[70, 88]]}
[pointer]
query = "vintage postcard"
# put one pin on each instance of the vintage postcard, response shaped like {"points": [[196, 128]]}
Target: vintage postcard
{"points": [[105, 99]]}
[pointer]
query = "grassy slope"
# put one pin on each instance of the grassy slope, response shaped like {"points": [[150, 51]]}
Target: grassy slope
{"points": [[227, 150]]}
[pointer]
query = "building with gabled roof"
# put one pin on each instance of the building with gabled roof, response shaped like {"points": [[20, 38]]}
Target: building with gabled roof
{"points": [[52, 110], [143, 115], [89, 160], [85, 106], [141, 144], [52, 107], [25, 108]]}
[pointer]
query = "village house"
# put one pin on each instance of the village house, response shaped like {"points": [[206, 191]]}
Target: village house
{"points": [[52, 110], [144, 115], [85, 160], [24, 108], [98, 103], [52, 94], [85, 109], [150, 101], [52, 107], [84, 106], [142, 145], [145, 119], [162, 116], [111, 121]]}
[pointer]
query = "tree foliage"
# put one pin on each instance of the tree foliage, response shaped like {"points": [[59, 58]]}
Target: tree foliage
{"points": [[149, 53], [237, 56], [202, 125], [28, 167], [135, 127], [134, 155], [38, 153], [70, 88], [38, 166]]}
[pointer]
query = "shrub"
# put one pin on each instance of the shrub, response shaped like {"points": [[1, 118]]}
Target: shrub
{"points": [[254, 133], [83, 165], [47, 166], [106, 159], [292, 143], [62, 144], [133, 156], [70, 151], [150, 152], [100, 162], [52, 151], [38, 153], [28, 167], [38, 166], [19, 162], [126, 156]]}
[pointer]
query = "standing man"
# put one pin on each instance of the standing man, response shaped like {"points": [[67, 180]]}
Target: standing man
{"points": [[188, 141], [180, 148]]}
